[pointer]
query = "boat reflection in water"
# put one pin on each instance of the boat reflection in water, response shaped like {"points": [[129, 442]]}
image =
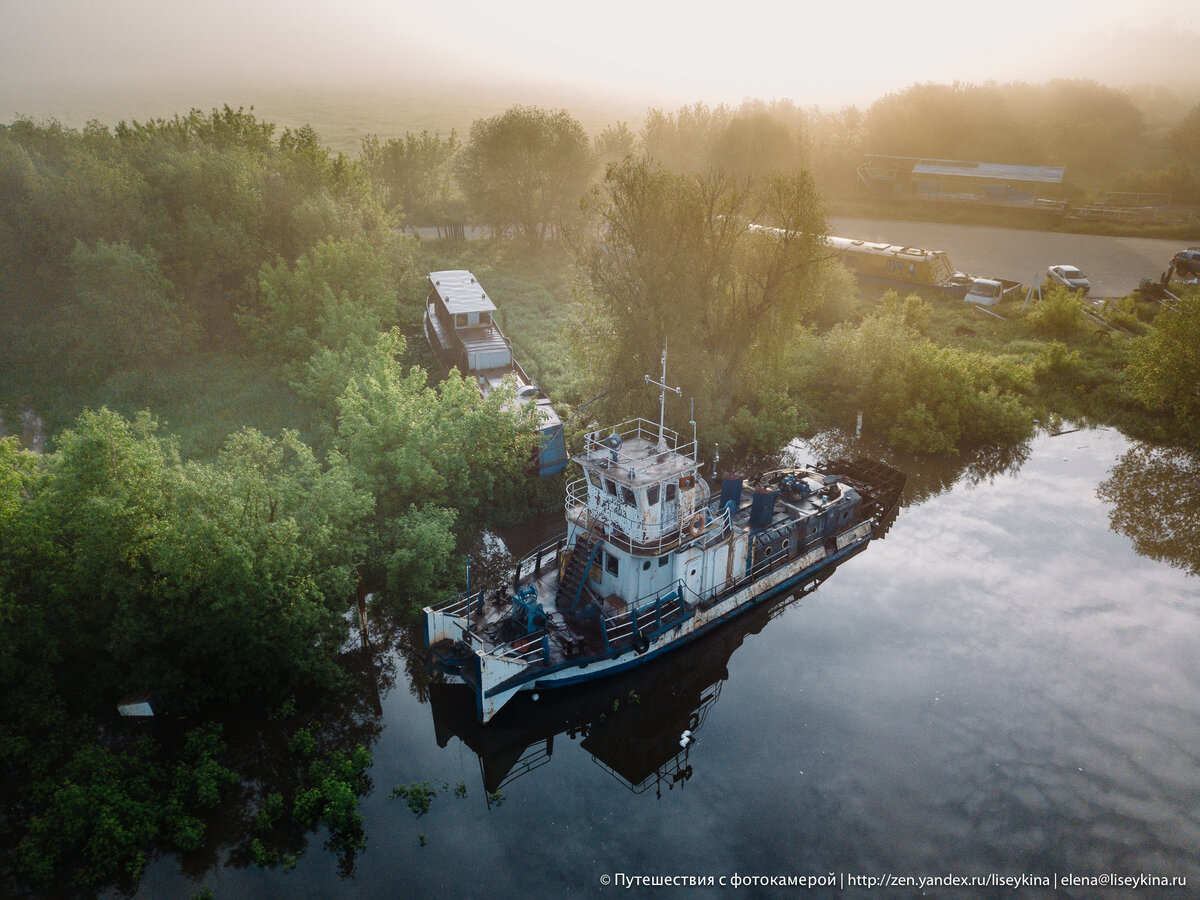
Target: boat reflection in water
{"points": [[639, 726]]}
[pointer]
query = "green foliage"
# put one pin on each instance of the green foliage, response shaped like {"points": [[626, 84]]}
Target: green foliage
{"points": [[106, 811], [1090, 128], [340, 293], [419, 796], [613, 144], [175, 557], [524, 170], [337, 782], [683, 140], [777, 421], [98, 823], [415, 171], [1180, 179], [270, 813], [756, 144], [1058, 313], [675, 260], [912, 310], [424, 543], [1056, 360], [1164, 366], [920, 397], [196, 203], [1184, 136], [303, 743], [434, 458], [124, 309]]}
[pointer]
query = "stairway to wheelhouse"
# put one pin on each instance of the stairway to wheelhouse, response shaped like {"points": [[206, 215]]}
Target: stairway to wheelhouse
{"points": [[574, 577]]}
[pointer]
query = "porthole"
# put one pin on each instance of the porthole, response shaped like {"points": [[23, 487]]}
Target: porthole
{"points": [[646, 566]]}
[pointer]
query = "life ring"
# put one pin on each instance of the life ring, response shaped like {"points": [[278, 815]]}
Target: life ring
{"points": [[695, 527], [687, 482], [641, 643]]}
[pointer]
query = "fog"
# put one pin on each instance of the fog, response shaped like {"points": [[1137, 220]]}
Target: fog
{"points": [[67, 57]]}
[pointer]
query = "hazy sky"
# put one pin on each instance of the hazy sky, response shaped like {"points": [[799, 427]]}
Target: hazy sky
{"points": [[823, 52]]}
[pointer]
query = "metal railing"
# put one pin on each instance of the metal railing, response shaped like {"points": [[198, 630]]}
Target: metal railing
{"points": [[638, 428], [527, 649], [647, 615], [531, 564], [619, 528]]}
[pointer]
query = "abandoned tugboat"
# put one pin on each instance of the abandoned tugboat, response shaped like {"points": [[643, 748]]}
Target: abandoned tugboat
{"points": [[651, 560], [463, 334]]}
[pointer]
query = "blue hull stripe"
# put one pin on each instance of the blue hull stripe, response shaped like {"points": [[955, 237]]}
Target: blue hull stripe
{"points": [[533, 679]]}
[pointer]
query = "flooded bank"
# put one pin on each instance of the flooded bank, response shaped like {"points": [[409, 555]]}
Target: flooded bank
{"points": [[1002, 685]]}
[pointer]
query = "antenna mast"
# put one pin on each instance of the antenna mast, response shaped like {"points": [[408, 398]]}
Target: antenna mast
{"points": [[662, 395]]}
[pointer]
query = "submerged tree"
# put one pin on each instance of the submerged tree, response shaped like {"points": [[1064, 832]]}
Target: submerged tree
{"points": [[524, 170]]}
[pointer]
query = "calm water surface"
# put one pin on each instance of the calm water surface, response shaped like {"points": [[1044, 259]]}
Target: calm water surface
{"points": [[1002, 685]]}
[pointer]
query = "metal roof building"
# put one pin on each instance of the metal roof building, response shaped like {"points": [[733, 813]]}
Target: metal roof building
{"points": [[961, 181]]}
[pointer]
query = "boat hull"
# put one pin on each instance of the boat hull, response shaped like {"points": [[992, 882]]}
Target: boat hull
{"points": [[496, 681]]}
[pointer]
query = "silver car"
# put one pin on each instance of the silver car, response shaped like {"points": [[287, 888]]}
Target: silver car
{"points": [[1069, 277]]}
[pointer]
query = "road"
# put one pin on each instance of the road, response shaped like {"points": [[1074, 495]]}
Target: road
{"points": [[1115, 265]]}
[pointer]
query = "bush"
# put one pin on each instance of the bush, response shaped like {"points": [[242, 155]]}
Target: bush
{"points": [[922, 398], [1057, 361], [1059, 312]]}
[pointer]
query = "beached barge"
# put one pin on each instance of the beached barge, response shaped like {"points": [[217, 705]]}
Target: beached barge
{"points": [[461, 330]]}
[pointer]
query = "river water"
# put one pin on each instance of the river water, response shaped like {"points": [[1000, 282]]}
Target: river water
{"points": [[1002, 687]]}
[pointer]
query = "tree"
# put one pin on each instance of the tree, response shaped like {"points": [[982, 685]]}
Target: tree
{"points": [[438, 461], [525, 170], [755, 144], [124, 311], [613, 144], [337, 293], [416, 172], [678, 259], [682, 141], [1184, 137], [916, 395], [1163, 371], [142, 567]]}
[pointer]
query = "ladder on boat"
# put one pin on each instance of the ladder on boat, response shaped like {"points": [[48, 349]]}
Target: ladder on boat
{"points": [[574, 577]]}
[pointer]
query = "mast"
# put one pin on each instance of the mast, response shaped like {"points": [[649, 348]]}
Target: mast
{"points": [[662, 396]]}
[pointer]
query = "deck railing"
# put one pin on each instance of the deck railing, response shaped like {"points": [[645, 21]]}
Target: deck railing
{"points": [[532, 563], [638, 428], [619, 527]]}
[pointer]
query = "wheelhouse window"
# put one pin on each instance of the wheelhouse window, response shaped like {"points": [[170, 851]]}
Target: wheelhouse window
{"points": [[627, 496], [610, 487], [611, 563], [460, 320], [670, 494], [652, 495]]}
